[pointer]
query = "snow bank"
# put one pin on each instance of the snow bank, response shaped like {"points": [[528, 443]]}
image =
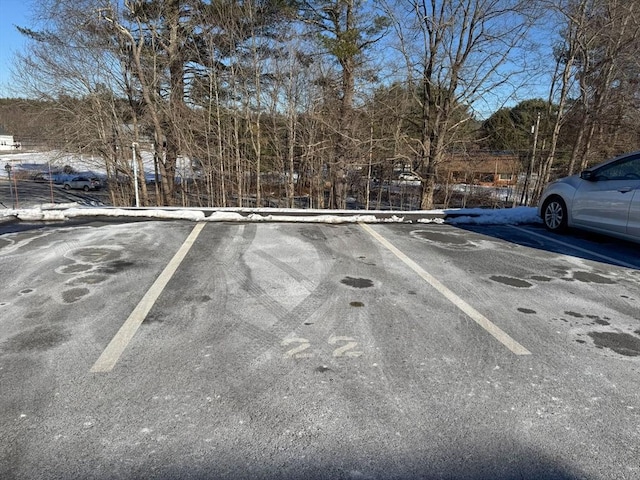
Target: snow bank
{"points": [[500, 216], [58, 212], [193, 215]]}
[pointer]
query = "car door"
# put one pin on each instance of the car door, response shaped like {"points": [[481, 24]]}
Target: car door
{"points": [[604, 201], [73, 183], [633, 227], [80, 182]]}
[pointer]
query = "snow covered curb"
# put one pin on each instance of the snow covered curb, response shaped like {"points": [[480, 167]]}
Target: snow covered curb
{"points": [[58, 212], [500, 216]]}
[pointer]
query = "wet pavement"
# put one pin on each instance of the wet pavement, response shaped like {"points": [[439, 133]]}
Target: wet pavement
{"points": [[317, 351]]}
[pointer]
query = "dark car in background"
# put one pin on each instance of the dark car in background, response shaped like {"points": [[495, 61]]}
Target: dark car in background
{"points": [[42, 178]]}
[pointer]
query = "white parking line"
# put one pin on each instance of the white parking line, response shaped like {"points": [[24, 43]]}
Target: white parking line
{"points": [[118, 344], [579, 249], [476, 316]]}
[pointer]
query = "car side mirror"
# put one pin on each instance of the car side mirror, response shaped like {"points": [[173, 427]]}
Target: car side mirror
{"points": [[588, 175]]}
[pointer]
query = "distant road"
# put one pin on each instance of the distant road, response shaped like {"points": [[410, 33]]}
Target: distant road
{"points": [[30, 193]]}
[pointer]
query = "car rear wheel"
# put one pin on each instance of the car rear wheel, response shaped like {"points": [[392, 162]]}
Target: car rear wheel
{"points": [[554, 214], [86, 188], [67, 186]]}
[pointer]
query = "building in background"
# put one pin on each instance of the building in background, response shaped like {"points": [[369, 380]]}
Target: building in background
{"points": [[487, 169], [6, 141]]}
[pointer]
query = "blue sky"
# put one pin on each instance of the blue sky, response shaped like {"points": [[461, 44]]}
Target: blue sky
{"points": [[12, 13], [19, 12]]}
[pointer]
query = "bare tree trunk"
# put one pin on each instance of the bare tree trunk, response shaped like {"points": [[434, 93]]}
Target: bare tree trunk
{"points": [[238, 161], [292, 138], [575, 22], [462, 49], [602, 43]]}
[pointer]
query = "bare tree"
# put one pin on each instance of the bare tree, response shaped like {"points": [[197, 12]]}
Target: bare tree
{"points": [[607, 40], [155, 35], [71, 63], [573, 18], [347, 29], [462, 51]]}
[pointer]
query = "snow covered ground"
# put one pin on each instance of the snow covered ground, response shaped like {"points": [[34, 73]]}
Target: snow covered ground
{"points": [[57, 161]]}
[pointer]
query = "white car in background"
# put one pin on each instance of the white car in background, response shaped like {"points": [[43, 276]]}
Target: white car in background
{"points": [[603, 199]]}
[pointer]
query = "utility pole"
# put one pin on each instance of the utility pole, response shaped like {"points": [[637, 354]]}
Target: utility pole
{"points": [[368, 189], [51, 183], [135, 172], [7, 167], [534, 130]]}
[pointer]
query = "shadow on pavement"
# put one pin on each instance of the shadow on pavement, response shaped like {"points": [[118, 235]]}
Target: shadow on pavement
{"points": [[575, 243], [508, 462]]}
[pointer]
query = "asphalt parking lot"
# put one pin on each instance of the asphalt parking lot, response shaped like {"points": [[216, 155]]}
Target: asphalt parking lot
{"points": [[178, 350]]}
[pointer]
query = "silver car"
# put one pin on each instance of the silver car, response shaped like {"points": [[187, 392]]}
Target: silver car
{"points": [[603, 199], [82, 183]]}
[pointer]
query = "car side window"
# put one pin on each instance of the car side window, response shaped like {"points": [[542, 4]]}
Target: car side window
{"points": [[626, 169]]}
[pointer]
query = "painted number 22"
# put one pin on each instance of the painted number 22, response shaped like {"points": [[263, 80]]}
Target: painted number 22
{"points": [[345, 347]]}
